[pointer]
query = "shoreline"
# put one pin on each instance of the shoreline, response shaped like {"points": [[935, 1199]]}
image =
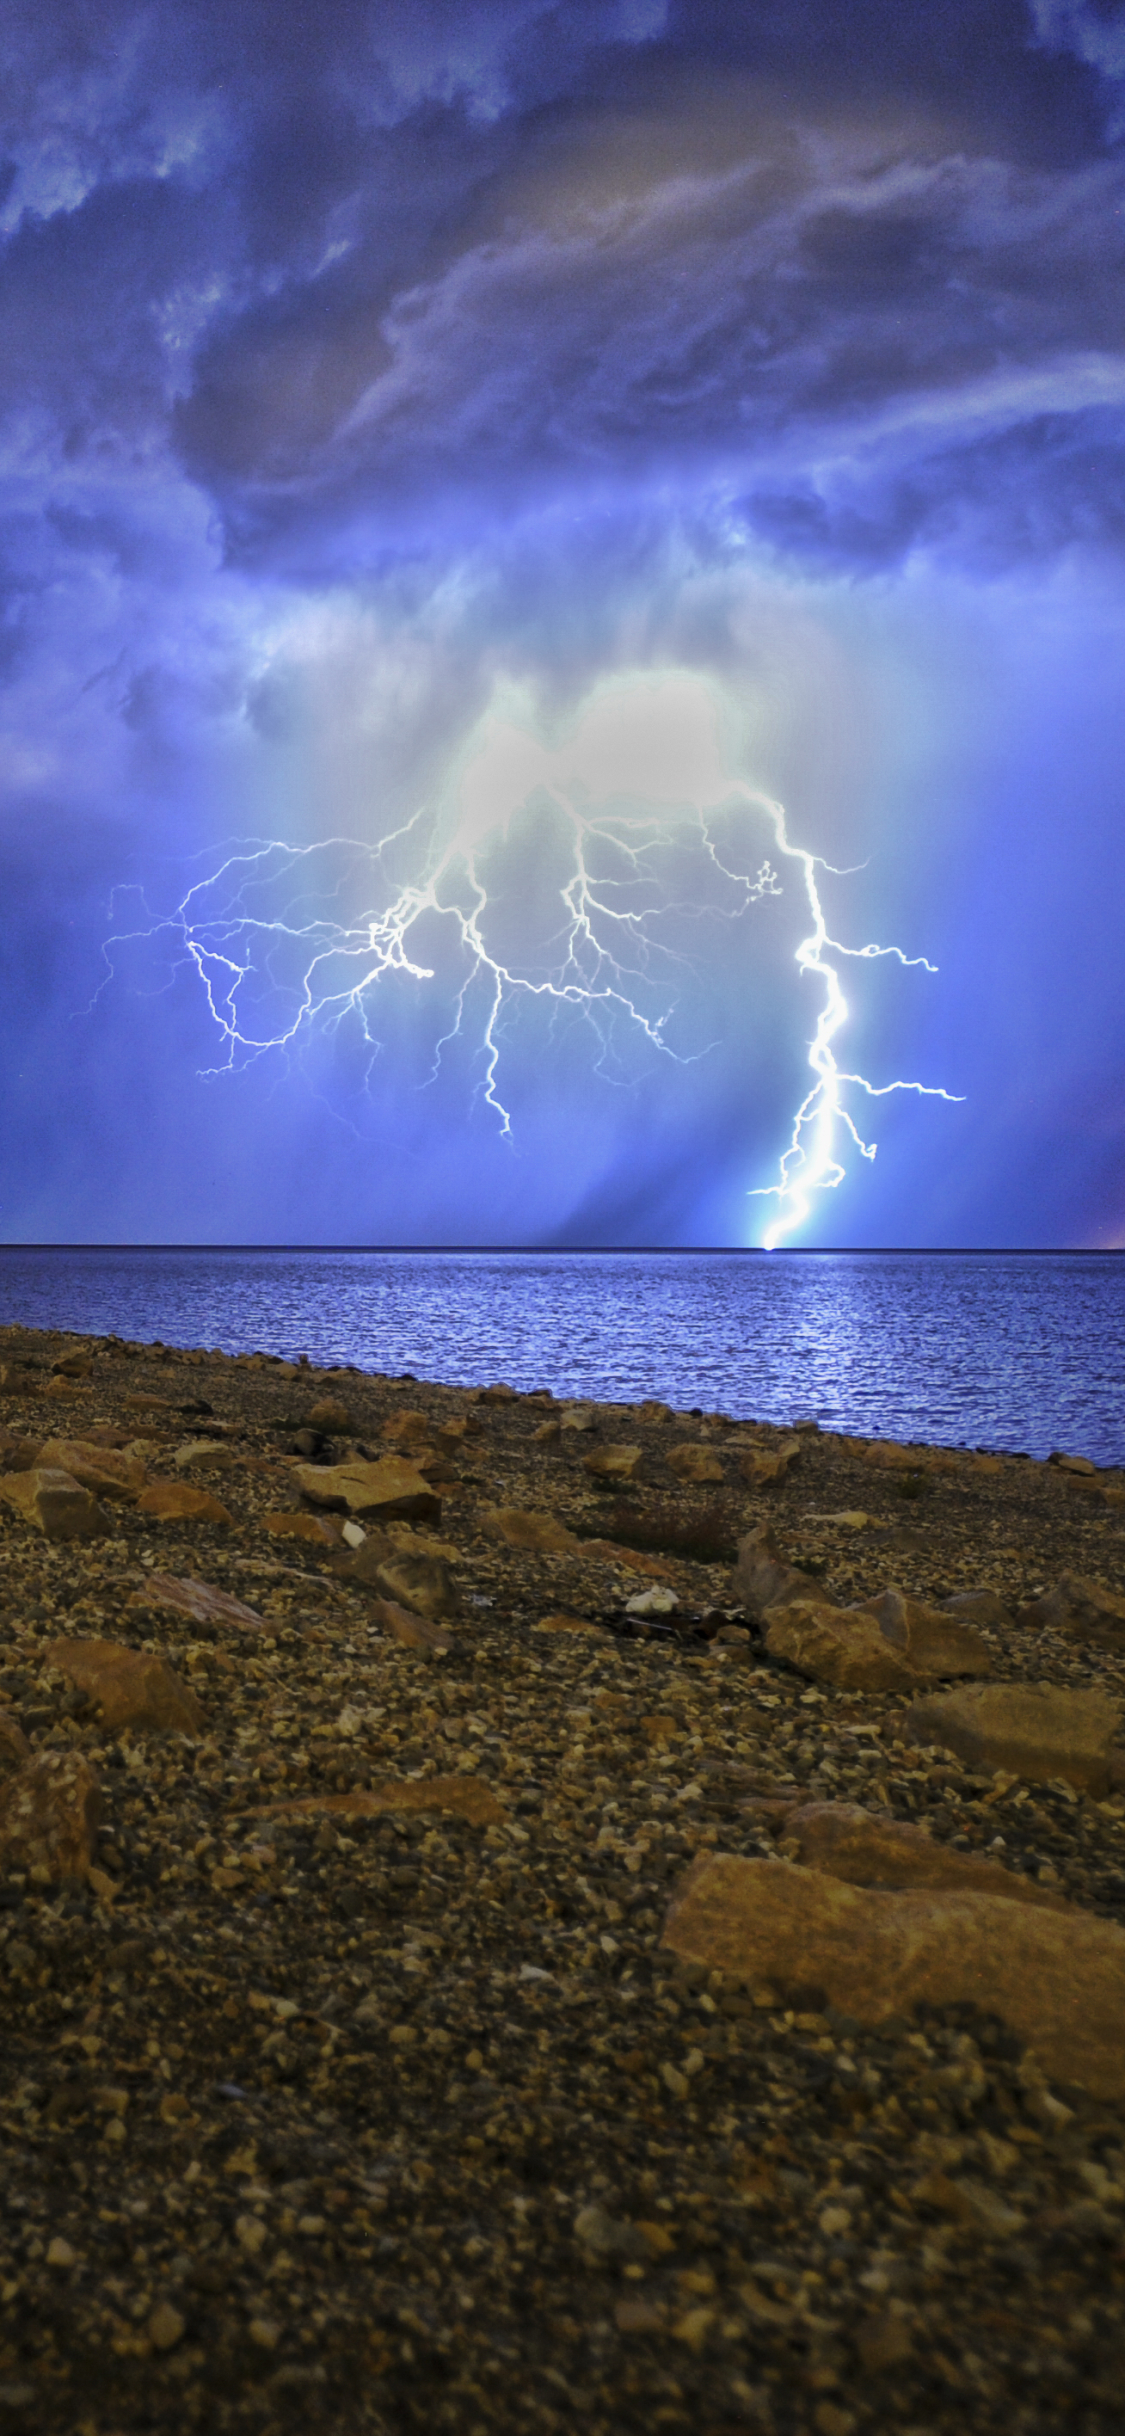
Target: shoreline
{"points": [[369, 2063]]}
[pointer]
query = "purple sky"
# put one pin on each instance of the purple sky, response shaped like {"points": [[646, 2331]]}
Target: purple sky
{"points": [[464, 467]]}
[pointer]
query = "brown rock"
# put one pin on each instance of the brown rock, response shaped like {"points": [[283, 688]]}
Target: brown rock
{"points": [[329, 1416], [1081, 1609], [17, 1454], [838, 1646], [54, 1502], [633, 1559], [694, 1463], [132, 1687], [1080, 1464], [1034, 1730], [499, 1394], [934, 1642], [185, 1596], [463, 1794], [406, 1429], [412, 1631], [312, 1527], [760, 1467], [1057, 1978], [63, 1391], [98, 1468], [762, 1578], [564, 1623], [422, 1583], [15, 1748], [175, 1501], [518, 1527], [615, 1463], [984, 1607], [388, 1487], [140, 1403], [846, 1842], [77, 1365], [203, 1455], [49, 1815]]}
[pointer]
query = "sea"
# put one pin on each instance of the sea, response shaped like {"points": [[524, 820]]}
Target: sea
{"points": [[1016, 1351]]}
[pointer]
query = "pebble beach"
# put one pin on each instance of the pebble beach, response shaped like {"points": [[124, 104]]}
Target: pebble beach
{"points": [[520, 1915]]}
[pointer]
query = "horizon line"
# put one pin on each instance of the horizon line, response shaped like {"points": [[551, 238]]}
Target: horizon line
{"points": [[929, 1251]]}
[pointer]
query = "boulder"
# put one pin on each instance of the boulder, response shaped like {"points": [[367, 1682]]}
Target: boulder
{"points": [[422, 1583], [203, 1455], [762, 1467], [328, 1415], [1057, 1978], [934, 1642], [839, 1646], [1081, 1609], [1033, 1730], [694, 1464], [54, 1501], [49, 1816], [184, 1596], [406, 1429], [617, 1463], [132, 1687], [520, 1527], [762, 1578], [462, 1794], [101, 1469], [846, 1842], [175, 1501], [390, 1486]]}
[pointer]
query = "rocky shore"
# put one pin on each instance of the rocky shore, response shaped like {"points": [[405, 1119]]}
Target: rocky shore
{"points": [[522, 1916]]}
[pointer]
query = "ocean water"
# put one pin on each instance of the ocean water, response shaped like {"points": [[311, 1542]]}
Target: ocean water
{"points": [[1020, 1350]]}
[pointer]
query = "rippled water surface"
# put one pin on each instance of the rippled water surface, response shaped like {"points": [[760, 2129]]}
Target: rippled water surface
{"points": [[983, 1349]]}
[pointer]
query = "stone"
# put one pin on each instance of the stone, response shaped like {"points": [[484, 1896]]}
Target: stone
{"points": [[15, 1748], [982, 1607], [17, 1454], [406, 1429], [580, 1417], [63, 1391], [565, 1623], [463, 1794], [314, 1528], [76, 1365], [422, 1583], [520, 1527], [329, 1416], [762, 1578], [498, 1394], [132, 1687], [389, 1487], [176, 1501], [632, 1559], [847, 1842], [1034, 1730], [837, 1646], [659, 1602], [165, 2326], [1079, 1464], [1056, 1978], [614, 1462], [695, 1464], [882, 2341], [49, 1816], [56, 1504], [412, 1631], [934, 1642], [1081, 1609], [203, 1455], [760, 1466], [104, 1470], [202, 1604]]}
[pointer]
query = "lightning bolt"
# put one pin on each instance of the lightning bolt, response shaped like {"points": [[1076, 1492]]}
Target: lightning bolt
{"points": [[287, 941]]}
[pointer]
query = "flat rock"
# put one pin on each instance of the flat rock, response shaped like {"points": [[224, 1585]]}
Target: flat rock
{"points": [[840, 1646], [1081, 1609], [854, 1844], [1037, 1730], [521, 1527], [389, 1486], [934, 1642], [199, 1601], [203, 1455], [983, 1607], [463, 1794], [132, 1687], [49, 1816], [692, 1463], [614, 1462], [311, 1527], [102, 1469], [1056, 1978], [564, 1623], [177, 1501], [763, 1579], [422, 1583], [54, 1501], [412, 1631]]}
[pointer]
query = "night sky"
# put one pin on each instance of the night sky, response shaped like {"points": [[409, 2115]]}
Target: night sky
{"points": [[489, 491]]}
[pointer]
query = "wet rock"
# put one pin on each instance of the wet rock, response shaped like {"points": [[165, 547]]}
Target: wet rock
{"points": [[1081, 1609], [837, 1646], [131, 1687], [519, 1527], [850, 1843], [763, 1579], [461, 1794], [614, 1463], [56, 1504], [103, 1470], [49, 1816], [693, 1463], [199, 1601], [1034, 1730], [389, 1486], [412, 1631], [330, 1416], [934, 1642], [1056, 1978], [176, 1501]]}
